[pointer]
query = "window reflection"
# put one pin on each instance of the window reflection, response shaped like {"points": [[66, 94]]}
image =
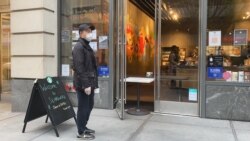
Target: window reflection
{"points": [[5, 47], [179, 51], [76, 12], [228, 39]]}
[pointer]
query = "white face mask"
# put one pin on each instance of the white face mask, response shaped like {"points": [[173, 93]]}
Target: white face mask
{"points": [[89, 37]]}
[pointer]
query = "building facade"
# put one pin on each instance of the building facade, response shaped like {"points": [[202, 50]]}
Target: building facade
{"points": [[34, 51], [211, 75]]}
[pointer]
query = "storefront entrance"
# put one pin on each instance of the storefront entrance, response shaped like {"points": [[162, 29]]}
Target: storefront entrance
{"points": [[177, 57], [198, 51], [158, 36]]}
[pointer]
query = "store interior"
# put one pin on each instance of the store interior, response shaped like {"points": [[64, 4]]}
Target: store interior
{"points": [[227, 45], [179, 27]]}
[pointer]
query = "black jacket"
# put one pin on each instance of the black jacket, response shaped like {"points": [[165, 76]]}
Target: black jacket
{"points": [[84, 66]]}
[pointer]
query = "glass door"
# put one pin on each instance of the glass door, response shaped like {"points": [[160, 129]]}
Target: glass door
{"points": [[120, 58], [177, 57]]}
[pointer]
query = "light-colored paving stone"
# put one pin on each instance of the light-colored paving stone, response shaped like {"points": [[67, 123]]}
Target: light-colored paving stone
{"points": [[157, 131], [7, 115], [192, 121], [241, 125], [107, 129], [138, 128], [243, 135], [242, 130], [11, 129]]}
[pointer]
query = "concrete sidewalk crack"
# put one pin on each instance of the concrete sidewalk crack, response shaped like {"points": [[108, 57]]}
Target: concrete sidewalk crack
{"points": [[233, 131], [43, 133], [10, 117], [138, 130]]}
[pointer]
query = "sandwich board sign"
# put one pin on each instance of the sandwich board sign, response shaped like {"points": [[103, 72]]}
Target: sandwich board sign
{"points": [[48, 97]]}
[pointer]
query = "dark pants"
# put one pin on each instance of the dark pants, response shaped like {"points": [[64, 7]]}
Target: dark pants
{"points": [[85, 106]]}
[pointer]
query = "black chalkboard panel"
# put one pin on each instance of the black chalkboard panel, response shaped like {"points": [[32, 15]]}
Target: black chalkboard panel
{"points": [[56, 99], [49, 98], [35, 107]]}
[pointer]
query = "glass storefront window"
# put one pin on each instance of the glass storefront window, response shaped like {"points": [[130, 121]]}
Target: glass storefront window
{"points": [[76, 12], [228, 48], [5, 52], [5, 47]]}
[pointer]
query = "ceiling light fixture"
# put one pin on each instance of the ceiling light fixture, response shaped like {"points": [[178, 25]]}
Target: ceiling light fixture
{"points": [[246, 16], [175, 17], [171, 12]]}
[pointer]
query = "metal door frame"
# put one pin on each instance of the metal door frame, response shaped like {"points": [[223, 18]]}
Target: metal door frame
{"points": [[157, 57], [120, 58]]}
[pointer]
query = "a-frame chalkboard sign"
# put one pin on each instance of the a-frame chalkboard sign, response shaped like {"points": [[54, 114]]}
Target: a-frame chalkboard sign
{"points": [[49, 98]]}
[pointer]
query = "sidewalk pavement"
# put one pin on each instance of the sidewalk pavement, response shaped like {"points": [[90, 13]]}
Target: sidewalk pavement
{"points": [[109, 127]]}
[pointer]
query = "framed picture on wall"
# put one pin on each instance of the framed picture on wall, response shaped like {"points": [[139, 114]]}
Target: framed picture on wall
{"points": [[240, 37]]}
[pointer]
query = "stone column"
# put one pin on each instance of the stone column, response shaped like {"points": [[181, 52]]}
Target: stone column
{"points": [[33, 46]]}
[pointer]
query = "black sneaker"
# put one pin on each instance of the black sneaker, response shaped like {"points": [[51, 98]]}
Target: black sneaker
{"points": [[90, 131], [85, 136]]}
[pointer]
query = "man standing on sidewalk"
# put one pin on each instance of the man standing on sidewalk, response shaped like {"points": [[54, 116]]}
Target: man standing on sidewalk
{"points": [[85, 79]]}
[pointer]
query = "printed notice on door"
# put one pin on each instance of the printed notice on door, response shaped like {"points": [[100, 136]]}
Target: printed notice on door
{"points": [[65, 70], [192, 94]]}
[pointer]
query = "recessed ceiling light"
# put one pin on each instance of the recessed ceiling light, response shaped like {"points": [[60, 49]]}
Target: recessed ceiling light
{"points": [[171, 11], [175, 17]]}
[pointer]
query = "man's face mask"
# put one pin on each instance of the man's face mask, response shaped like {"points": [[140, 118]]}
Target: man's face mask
{"points": [[89, 37]]}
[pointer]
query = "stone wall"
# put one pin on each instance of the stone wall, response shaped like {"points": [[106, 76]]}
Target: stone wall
{"points": [[33, 46], [228, 102]]}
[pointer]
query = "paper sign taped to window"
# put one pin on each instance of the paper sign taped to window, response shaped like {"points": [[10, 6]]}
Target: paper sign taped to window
{"points": [[192, 94], [65, 70], [214, 38]]}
